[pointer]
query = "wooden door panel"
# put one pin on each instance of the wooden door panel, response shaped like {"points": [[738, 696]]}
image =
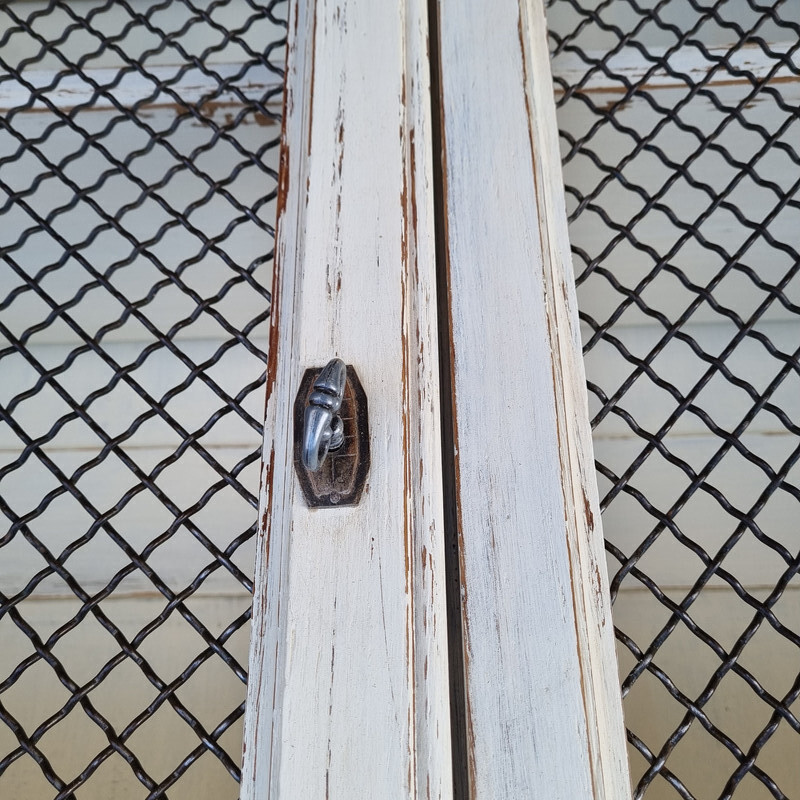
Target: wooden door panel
{"points": [[348, 692]]}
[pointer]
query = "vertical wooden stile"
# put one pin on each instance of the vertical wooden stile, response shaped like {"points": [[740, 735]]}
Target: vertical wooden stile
{"points": [[348, 692], [542, 703]]}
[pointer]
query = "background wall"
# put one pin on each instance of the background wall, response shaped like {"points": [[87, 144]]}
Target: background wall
{"points": [[679, 138], [138, 162]]}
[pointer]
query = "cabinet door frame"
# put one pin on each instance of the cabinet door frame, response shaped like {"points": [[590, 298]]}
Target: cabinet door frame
{"points": [[348, 692], [398, 185]]}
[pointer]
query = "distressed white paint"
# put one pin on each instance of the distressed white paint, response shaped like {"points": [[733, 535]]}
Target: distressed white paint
{"points": [[348, 692], [543, 706]]}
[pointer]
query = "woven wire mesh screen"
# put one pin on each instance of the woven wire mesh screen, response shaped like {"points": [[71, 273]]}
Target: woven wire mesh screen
{"points": [[138, 154], [681, 147]]}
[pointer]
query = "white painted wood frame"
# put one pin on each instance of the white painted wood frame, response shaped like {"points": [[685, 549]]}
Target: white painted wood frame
{"points": [[348, 692], [543, 708]]}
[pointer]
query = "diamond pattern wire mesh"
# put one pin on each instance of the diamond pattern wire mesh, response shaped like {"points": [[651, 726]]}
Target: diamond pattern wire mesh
{"points": [[681, 148], [137, 164], [138, 154]]}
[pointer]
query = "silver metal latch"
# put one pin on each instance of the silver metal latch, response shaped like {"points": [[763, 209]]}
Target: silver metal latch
{"points": [[323, 429], [331, 436]]}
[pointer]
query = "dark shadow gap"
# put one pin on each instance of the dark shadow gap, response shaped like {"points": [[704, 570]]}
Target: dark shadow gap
{"points": [[458, 718]]}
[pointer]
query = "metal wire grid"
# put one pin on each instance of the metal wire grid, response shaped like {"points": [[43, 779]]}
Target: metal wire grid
{"points": [[675, 116], [135, 249], [681, 25]]}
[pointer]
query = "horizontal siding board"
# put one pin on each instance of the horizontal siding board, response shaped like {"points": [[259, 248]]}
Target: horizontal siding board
{"points": [[681, 67], [109, 87]]}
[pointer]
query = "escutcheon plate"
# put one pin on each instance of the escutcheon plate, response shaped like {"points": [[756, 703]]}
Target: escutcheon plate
{"points": [[341, 478]]}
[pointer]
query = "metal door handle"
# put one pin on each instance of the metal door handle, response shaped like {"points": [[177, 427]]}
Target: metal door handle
{"points": [[330, 414], [323, 429]]}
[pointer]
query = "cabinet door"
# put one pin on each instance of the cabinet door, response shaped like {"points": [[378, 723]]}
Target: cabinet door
{"points": [[450, 634], [348, 693]]}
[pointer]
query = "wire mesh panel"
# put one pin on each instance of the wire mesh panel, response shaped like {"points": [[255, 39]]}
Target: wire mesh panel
{"points": [[138, 149], [138, 156], [681, 149]]}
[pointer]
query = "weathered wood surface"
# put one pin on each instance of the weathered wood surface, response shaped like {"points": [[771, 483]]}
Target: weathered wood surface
{"points": [[543, 706], [348, 693]]}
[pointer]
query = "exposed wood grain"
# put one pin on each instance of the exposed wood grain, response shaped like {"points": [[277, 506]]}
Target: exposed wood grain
{"points": [[543, 704], [348, 671]]}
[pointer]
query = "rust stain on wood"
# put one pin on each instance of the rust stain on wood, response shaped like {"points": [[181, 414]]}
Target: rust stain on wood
{"points": [[616, 105], [412, 155], [265, 527], [283, 193], [274, 333], [407, 231], [404, 228], [312, 83], [587, 507], [405, 412], [404, 234]]}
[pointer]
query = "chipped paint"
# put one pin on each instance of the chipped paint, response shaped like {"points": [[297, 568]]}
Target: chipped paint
{"points": [[526, 569], [356, 275]]}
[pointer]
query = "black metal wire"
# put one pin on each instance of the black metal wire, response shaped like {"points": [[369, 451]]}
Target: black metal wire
{"points": [[123, 143], [715, 33], [683, 25]]}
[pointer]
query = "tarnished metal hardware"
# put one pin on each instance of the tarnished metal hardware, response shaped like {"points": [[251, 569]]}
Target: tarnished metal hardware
{"points": [[331, 443], [322, 426]]}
